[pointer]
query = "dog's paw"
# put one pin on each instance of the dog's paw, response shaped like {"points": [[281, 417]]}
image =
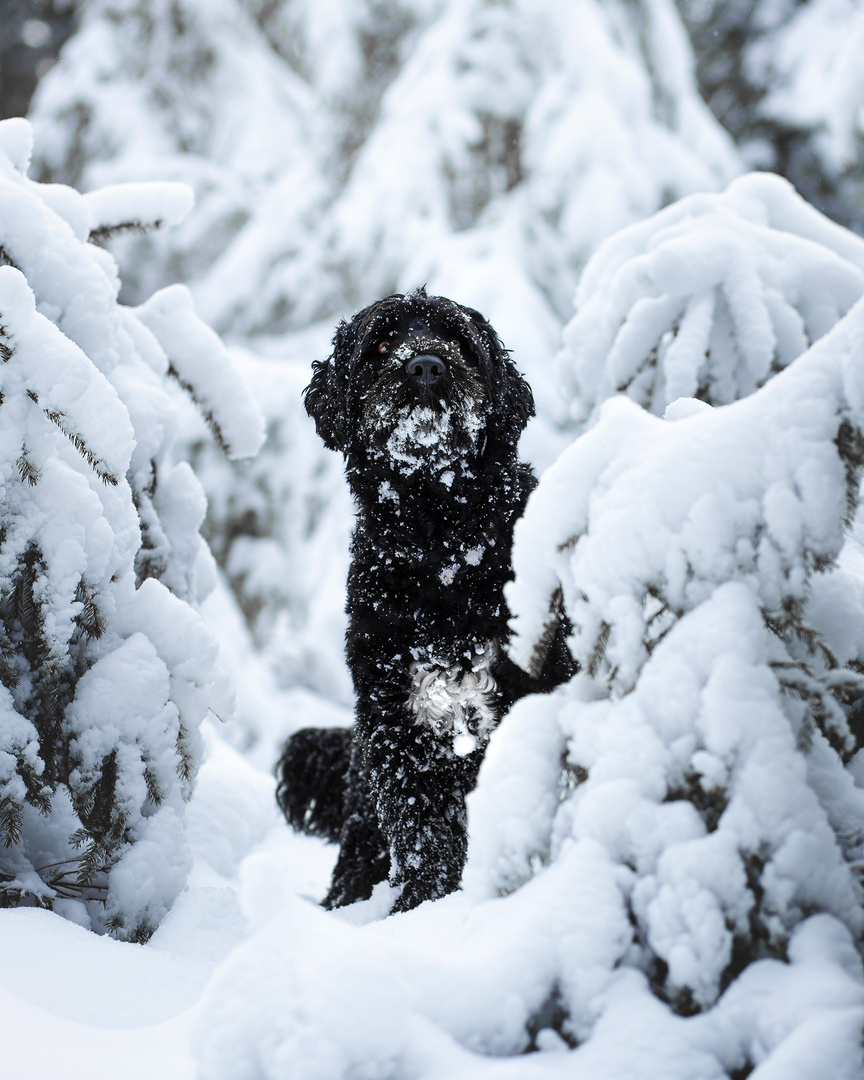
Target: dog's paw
{"points": [[355, 879], [418, 890]]}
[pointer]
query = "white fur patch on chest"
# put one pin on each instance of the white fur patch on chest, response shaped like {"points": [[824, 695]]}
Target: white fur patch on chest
{"points": [[456, 703]]}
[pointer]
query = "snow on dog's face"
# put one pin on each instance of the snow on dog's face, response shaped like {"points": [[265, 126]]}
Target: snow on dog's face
{"points": [[420, 386], [418, 381]]}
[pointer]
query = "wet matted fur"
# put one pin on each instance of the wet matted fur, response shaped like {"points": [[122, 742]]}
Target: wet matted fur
{"points": [[425, 404]]}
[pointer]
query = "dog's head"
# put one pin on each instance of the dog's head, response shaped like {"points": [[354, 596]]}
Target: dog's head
{"points": [[418, 379]]}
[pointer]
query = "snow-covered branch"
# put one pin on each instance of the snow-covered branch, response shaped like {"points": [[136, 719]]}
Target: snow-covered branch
{"points": [[708, 298]]}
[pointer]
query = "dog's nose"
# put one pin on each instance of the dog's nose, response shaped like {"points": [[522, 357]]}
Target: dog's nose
{"points": [[425, 369]]}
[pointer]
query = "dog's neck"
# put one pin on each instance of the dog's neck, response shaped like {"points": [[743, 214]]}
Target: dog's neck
{"points": [[475, 500]]}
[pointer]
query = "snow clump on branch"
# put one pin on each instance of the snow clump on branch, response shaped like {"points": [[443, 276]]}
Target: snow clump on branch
{"points": [[708, 298]]}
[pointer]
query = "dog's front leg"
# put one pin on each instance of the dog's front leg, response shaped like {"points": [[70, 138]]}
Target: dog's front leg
{"points": [[420, 786]]}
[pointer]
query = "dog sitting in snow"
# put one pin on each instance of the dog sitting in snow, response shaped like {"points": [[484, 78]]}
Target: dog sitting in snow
{"points": [[426, 406]]}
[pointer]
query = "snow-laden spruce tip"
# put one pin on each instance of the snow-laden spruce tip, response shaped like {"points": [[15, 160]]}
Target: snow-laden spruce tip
{"points": [[106, 676]]}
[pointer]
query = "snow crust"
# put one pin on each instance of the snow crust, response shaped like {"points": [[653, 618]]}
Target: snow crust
{"points": [[142, 205]]}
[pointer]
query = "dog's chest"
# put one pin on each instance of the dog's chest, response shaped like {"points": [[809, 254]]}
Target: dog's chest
{"points": [[429, 607], [440, 570], [414, 543], [450, 587], [458, 705]]}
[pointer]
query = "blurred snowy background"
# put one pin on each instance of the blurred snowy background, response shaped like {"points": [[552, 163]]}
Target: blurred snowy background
{"points": [[664, 878]]}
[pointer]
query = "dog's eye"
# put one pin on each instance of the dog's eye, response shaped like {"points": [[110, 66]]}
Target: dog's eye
{"points": [[383, 346], [466, 352]]}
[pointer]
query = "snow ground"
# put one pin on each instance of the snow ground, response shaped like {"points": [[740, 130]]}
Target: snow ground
{"points": [[85, 1007]]}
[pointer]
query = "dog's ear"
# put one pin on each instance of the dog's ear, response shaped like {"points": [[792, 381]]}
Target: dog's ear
{"points": [[513, 402], [517, 400], [326, 396], [325, 405]]}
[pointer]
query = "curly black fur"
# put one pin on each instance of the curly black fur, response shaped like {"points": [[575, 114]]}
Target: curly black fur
{"points": [[312, 772], [430, 455]]}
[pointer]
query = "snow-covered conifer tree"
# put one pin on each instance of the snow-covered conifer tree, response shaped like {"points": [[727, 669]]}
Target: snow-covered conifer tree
{"points": [[710, 747], [107, 669], [187, 90]]}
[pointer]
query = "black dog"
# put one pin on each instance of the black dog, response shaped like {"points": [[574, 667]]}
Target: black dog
{"points": [[426, 405]]}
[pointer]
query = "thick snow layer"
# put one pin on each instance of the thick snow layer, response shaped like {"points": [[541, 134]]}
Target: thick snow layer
{"points": [[83, 1007], [401, 997], [82, 403], [16, 142], [755, 491], [203, 367], [680, 546], [138, 206]]}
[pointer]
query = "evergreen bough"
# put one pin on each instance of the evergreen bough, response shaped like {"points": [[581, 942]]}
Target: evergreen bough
{"points": [[106, 668]]}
